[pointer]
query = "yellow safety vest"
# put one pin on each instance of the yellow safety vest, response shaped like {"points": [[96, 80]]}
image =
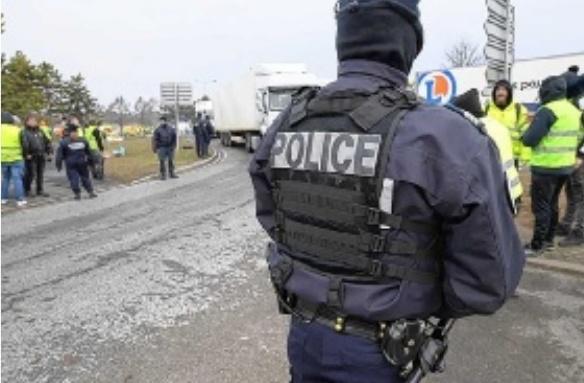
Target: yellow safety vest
{"points": [[558, 148], [11, 143], [514, 118], [500, 135], [88, 134], [47, 132]]}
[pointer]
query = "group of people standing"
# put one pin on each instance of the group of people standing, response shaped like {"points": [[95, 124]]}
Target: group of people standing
{"points": [[553, 146], [203, 130], [26, 151]]}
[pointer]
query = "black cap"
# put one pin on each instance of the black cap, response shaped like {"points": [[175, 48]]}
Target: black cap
{"points": [[7, 118]]}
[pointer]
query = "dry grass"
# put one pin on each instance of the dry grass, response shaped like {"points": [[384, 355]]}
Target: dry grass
{"points": [[140, 161]]}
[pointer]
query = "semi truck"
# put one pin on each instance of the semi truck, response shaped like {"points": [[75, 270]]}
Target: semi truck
{"points": [[245, 108], [442, 85]]}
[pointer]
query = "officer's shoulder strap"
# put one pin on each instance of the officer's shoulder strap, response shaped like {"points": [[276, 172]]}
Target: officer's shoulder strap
{"points": [[478, 124], [299, 107], [381, 104]]}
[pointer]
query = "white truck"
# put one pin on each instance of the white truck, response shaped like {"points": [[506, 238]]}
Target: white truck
{"points": [[245, 108], [440, 86]]}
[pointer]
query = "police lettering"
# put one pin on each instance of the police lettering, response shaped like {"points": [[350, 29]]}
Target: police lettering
{"points": [[341, 153]]}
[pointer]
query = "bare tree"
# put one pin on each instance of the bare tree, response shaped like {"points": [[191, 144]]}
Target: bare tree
{"points": [[121, 109], [144, 110], [464, 54]]}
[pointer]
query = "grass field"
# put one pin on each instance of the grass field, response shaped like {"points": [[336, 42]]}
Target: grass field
{"points": [[139, 161]]}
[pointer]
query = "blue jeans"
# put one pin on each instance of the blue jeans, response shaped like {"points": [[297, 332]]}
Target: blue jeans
{"points": [[319, 354], [13, 171]]}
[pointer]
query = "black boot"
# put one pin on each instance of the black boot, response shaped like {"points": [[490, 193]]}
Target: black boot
{"points": [[563, 230], [575, 238]]}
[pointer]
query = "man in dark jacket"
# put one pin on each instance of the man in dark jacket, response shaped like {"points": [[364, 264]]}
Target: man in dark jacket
{"points": [[341, 204], [164, 144], [201, 135], [554, 136], [209, 133], [37, 147], [75, 152]]}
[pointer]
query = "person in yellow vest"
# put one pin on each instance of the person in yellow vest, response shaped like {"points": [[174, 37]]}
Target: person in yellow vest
{"points": [[94, 137], [12, 159], [470, 103], [554, 137], [512, 115], [572, 224]]}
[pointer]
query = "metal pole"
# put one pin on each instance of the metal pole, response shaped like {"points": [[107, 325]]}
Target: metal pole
{"points": [[176, 116]]}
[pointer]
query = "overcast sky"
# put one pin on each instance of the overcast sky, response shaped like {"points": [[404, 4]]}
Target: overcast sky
{"points": [[127, 47]]}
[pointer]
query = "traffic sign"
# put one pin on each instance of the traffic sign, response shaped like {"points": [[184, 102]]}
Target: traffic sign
{"points": [[499, 50], [176, 93]]}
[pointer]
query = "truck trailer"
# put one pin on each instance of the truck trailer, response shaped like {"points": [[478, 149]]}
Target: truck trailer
{"points": [[245, 108]]}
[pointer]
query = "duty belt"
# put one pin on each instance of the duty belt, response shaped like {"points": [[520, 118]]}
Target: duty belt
{"points": [[308, 312]]}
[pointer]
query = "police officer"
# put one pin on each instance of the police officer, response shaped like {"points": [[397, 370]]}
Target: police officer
{"points": [[380, 209], [512, 115], [164, 144], [554, 136], [75, 152]]}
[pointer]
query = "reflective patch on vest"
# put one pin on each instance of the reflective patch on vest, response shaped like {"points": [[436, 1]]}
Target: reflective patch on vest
{"points": [[76, 146], [386, 198], [341, 153]]}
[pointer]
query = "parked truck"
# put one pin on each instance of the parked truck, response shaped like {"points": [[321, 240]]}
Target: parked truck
{"points": [[245, 108]]}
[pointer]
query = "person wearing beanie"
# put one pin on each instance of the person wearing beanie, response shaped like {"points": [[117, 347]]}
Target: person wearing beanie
{"points": [[554, 136], [366, 193], [513, 115], [470, 102], [572, 223], [76, 153]]}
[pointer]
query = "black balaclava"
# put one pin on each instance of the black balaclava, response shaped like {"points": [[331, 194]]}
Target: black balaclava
{"points": [[385, 31], [507, 85]]}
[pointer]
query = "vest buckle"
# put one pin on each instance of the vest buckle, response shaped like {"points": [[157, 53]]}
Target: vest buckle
{"points": [[373, 216], [376, 268], [377, 244]]}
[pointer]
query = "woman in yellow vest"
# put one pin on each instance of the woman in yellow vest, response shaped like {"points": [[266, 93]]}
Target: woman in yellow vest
{"points": [[12, 159], [512, 115], [470, 103], [554, 136]]}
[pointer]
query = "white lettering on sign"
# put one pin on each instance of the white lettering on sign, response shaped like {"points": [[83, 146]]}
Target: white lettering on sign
{"points": [[342, 153]]}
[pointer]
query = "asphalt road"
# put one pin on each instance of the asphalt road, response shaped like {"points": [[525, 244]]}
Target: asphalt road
{"points": [[166, 282]]}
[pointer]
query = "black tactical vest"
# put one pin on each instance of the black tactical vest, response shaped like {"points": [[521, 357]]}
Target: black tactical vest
{"points": [[328, 166]]}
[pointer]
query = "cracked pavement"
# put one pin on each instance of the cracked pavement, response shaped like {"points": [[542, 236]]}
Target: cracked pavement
{"points": [[166, 282]]}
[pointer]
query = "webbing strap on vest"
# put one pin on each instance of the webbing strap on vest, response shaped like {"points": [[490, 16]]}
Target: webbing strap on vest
{"points": [[341, 206], [350, 250]]}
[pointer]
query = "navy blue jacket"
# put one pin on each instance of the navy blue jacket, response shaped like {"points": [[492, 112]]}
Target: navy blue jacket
{"points": [[447, 171], [74, 153], [164, 137]]}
